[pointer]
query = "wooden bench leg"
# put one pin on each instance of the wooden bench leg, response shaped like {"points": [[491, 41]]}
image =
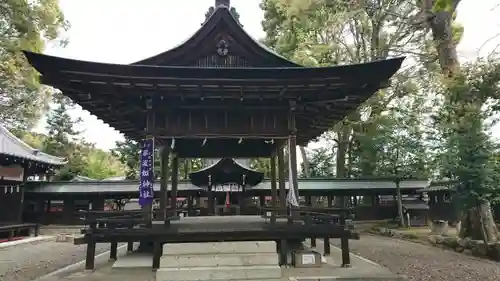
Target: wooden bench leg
{"points": [[130, 247], [157, 253], [326, 246], [90, 258], [346, 258], [313, 242], [113, 252]]}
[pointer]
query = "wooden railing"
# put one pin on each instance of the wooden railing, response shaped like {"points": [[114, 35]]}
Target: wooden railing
{"points": [[129, 226], [316, 216]]}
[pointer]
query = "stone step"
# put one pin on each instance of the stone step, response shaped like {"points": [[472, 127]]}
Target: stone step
{"points": [[219, 248], [219, 273], [213, 260]]}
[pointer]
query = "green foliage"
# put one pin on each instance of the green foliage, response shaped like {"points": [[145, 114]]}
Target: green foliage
{"points": [[60, 141], [469, 155], [63, 140], [321, 164], [25, 25], [324, 32], [444, 5], [128, 153], [262, 165]]}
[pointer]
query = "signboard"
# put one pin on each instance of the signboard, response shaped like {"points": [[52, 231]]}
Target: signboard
{"points": [[146, 176], [11, 173], [308, 259], [227, 188]]}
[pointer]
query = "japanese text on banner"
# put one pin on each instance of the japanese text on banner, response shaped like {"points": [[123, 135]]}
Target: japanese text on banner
{"points": [[146, 191]]}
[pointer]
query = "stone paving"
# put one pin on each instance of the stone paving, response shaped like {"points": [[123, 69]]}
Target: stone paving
{"points": [[422, 262], [26, 262]]}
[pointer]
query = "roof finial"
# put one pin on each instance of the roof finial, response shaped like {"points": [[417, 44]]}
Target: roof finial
{"points": [[226, 3]]}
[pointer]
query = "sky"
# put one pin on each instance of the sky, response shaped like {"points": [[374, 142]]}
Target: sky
{"points": [[119, 31]]}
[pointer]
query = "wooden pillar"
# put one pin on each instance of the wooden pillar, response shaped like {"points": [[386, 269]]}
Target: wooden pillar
{"points": [[281, 177], [98, 204], [69, 209], [165, 152], [21, 196], [308, 200], [90, 255], [210, 201], [330, 200], [198, 201], [190, 205], [175, 183], [344, 244], [113, 253], [40, 211], [241, 201], [274, 188]]}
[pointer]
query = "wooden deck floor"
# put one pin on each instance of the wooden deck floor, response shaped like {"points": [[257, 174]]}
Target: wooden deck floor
{"points": [[223, 224]]}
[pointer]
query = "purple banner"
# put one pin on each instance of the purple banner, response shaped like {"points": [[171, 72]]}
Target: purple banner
{"points": [[146, 182]]}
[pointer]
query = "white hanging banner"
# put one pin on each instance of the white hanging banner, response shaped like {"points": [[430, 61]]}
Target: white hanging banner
{"points": [[291, 197]]}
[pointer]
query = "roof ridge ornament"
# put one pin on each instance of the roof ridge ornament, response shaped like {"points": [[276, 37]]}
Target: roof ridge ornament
{"points": [[226, 4]]}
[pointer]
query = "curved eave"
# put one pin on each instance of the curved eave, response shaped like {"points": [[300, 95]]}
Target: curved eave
{"points": [[12, 146], [62, 68], [221, 14], [224, 162], [256, 176]]}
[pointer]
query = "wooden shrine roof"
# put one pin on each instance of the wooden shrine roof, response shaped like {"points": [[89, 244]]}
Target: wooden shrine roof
{"points": [[130, 186], [226, 170], [221, 15], [324, 95], [12, 146], [195, 77]]}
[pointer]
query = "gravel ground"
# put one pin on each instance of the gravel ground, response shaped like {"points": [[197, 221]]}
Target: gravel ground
{"points": [[29, 261], [423, 263]]}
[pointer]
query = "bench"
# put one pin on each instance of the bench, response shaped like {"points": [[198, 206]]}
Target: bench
{"points": [[15, 230]]}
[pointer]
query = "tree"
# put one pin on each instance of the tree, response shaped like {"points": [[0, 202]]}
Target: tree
{"points": [[320, 163], [25, 25], [127, 153], [61, 140], [262, 165], [465, 92], [100, 164], [326, 32]]}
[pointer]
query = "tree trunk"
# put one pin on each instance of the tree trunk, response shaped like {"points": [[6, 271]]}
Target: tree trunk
{"points": [[187, 168], [399, 202], [343, 137], [305, 162], [477, 223]]}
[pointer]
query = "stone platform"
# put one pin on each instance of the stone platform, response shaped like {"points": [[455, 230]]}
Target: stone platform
{"points": [[140, 270]]}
